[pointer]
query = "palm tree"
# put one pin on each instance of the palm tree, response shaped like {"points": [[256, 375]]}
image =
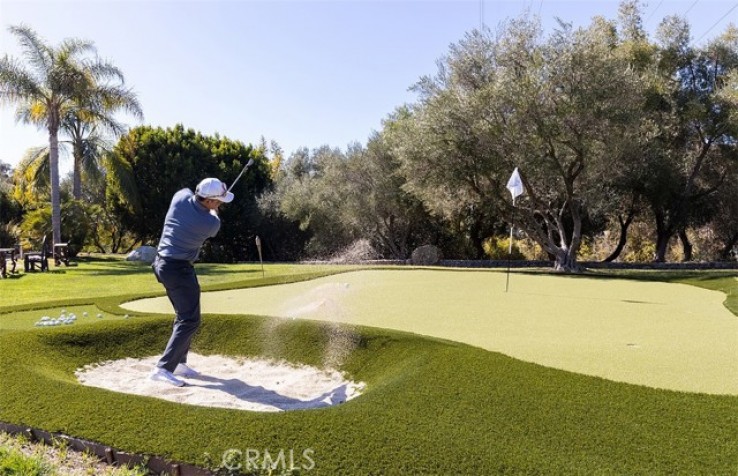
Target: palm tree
{"points": [[47, 86], [87, 121]]}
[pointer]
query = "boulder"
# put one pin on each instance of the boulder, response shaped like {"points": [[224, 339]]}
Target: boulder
{"points": [[144, 254], [426, 255]]}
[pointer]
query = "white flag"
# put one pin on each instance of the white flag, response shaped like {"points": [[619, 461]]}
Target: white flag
{"points": [[515, 184]]}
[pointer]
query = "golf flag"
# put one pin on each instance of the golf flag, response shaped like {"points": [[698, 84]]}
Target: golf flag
{"points": [[515, 185]]}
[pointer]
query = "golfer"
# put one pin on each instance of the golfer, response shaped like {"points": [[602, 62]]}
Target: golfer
{"points": [[191, 219]]}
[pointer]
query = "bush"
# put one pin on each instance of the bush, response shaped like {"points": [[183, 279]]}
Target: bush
{"points": [[497, 248], [358, 251], [427, 255], [75, 226]]}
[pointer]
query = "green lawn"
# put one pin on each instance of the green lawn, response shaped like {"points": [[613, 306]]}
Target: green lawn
{"points": [[111, 276], [431, 406]]}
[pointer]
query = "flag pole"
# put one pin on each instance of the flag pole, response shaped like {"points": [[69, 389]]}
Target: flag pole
{"points": [[516, 187], [509, 250]]}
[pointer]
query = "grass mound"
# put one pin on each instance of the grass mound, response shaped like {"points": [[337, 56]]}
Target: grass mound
{"points": [[430, 407]]}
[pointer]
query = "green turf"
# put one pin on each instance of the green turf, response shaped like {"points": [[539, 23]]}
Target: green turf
{"points": [[665, 335], [431, 407], [94, 277]]}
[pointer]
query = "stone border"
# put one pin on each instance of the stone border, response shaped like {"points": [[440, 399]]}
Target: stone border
{"points": [[692, 265], [106, 453]]}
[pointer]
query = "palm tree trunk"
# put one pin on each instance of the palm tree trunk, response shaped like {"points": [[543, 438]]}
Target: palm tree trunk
{"points": [[77, 175], [54, 172]]}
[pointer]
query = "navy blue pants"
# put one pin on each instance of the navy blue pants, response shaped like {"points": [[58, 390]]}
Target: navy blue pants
{"points": [[183, 290]]}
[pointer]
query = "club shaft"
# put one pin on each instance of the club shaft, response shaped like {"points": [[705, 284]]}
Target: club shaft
{"points": [[248, 164]]}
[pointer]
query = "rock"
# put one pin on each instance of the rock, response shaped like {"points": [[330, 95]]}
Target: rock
{"points": [[427, 255], [144, 254]]}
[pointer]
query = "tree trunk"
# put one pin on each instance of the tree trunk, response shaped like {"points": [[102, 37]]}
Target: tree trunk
{"points": [[77, 174], [623, 237], [662, 242], [54, 172], [725, 254], [686, 245], [475, 237], [566, 262], [663, 235]]}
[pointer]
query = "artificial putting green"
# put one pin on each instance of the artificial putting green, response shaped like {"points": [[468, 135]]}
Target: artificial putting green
{"points": [[663, 335], [431, 406]]}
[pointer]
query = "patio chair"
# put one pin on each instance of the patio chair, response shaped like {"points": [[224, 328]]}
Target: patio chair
{"points": [[61, 254], [8, 254], [40, 258]]}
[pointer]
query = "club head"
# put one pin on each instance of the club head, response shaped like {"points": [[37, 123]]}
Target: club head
{"points": [[250, 163]]}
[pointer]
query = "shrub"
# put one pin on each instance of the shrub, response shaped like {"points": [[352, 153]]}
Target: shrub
{"points": [[497, 248], [358, 251], [426, 255]]}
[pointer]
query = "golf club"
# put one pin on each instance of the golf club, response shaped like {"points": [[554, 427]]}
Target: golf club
{"points": [[258, 247], [248, 164]]}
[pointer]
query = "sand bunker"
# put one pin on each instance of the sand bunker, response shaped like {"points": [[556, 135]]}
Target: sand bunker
{"points": [[229, 382]]}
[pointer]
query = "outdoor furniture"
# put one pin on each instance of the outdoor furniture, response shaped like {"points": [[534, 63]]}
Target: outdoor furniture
{"points": [[61, 254], [33, 258], [5, 255]]}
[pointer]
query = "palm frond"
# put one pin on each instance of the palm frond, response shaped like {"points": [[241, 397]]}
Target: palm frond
{"points": [[74, 47], [121, 173], [103, 69], [17, 83], [92, 152], [32, 112], [33, 169], [114, 97], [35, 49]]}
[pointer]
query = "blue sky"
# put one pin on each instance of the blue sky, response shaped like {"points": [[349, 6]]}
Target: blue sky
{"points": [[303, 73]]}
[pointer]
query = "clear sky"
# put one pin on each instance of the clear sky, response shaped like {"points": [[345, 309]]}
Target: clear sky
{"points": [[303, 73]]}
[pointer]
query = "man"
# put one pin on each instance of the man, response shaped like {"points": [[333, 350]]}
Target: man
{"points": [[191, 219]]}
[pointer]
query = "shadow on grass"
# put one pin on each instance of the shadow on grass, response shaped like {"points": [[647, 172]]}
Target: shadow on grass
{"points": [[118, 267]]}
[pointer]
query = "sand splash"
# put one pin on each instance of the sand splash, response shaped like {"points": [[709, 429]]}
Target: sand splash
{"points": [[229, 382]]}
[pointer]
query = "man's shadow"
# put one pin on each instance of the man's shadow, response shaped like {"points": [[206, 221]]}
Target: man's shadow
{"points": [[257, 394]]}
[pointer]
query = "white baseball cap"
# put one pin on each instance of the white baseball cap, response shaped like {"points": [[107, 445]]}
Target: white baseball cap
{"points": [[214, 189]]}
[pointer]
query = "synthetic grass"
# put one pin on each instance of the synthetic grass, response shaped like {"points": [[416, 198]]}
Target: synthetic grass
{"points": [[99, 284], [665, 335], [96, 277], [431, 407]]}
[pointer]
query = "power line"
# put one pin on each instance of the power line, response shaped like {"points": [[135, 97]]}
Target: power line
{"points": [[717, 22], [653, 11], [690, 7], [481, 14]]}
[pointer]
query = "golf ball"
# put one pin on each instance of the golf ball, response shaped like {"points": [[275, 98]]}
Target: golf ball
{"points": [[99, 316]]}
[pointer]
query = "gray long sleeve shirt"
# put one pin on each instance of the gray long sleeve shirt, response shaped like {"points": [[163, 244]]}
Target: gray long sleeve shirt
{"points": [[186, 227]]}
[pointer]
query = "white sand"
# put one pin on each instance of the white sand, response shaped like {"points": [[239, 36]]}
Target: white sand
{"points": [[229, 382]]}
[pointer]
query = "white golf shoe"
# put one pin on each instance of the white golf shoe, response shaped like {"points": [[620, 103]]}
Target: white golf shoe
{"points": [[183, 370], [163, 375]]}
